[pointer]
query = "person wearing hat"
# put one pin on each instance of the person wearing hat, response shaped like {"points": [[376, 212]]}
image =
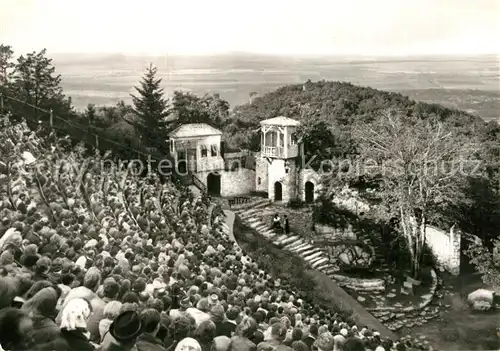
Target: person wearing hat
{"points": [[123, 332], [213, 300], [91, 283], [188, 344]]}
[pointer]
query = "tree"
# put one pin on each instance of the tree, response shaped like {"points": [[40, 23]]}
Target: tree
{"points": [[190, 108], [419, 165], [487, 262], [322, 141], [90, 113], [34, 80], [151, 110], [6, 54]]}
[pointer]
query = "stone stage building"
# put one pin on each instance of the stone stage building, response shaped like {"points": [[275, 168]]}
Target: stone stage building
{"points": [[198, 150]]}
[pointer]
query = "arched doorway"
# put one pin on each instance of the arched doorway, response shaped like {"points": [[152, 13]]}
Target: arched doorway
{"points": [[309, 190], [278, 191], [213, 184]]}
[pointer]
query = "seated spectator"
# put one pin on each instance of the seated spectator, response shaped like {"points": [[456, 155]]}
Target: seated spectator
{"points": [[325, 342], [205, 334], [278, 335], [123, 332], [74, 318], [244, 331], [147, 341], [188, 344], [353, 344], [41, 308], [310, 338], [220, 343], [228, 326], [15, 325], [111, 311], [91, 283]]}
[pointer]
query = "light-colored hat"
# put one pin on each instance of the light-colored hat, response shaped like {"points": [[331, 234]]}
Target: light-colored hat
{"points": [[188, 344]]}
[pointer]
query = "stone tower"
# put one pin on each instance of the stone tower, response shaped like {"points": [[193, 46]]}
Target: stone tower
{"points": [[276, 166]]}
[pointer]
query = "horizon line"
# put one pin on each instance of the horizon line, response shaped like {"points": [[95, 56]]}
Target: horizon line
{"points": [[290, 55]]}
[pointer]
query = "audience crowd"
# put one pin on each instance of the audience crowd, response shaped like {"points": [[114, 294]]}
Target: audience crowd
{"points": [[96, 258]]}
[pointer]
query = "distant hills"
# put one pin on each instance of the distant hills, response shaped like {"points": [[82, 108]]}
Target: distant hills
{"points": [[471, 83]]}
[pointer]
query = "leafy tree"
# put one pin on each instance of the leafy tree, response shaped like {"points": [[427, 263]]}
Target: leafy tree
{"points": [[190, 108], [322, 141], [34, 80], [419, 165], [6, 54], [486, 261], [151, 109], [90, 112]]}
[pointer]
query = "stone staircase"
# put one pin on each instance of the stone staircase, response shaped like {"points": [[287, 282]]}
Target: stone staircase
{"points": [[315, 256], [252, 212]]}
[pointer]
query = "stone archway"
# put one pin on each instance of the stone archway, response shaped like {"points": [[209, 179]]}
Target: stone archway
{"points": [[213, 184], [278, 191], [309, 192]]}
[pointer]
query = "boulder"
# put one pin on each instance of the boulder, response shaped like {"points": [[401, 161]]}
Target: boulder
{"points": [[481, 299]]}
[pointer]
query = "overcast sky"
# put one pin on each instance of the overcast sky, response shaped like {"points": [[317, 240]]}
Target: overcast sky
{"points": [[344, 27]]}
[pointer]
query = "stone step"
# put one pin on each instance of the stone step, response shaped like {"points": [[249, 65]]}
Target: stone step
{"points": [[254, 225], [279, 238], [315, 259], [290, 239], [331, 271], [250, 219], [248, 215], [319, 262], [322, 267], [269, 233], [263, 204], [251, 204], [307, 252], [253, 211], [297, 245], [309, 258], [294, 244], [262, 227]]}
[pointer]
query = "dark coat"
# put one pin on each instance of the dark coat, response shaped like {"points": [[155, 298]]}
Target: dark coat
{"points": [[44, 330], [309, 340], [76, 340], [226, 328], [147, 342]]}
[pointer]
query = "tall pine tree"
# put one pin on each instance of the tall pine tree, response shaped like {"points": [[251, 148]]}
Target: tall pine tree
{"points": [[151, 110]]}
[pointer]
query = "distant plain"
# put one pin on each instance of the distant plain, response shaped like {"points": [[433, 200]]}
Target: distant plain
{"points": [[468, 83]]}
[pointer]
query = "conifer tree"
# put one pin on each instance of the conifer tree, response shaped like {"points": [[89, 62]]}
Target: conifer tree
{"points": [[151, 110]]}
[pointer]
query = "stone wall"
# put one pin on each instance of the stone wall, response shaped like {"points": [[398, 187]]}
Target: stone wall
{"points": [[239, 182], [288, 179], [308, 175], [446, 247], [329, 232], [261, 172]]}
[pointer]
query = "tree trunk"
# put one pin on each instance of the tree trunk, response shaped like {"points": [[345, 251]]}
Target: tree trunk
{"points": [[415, 231], [409, 235]]}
